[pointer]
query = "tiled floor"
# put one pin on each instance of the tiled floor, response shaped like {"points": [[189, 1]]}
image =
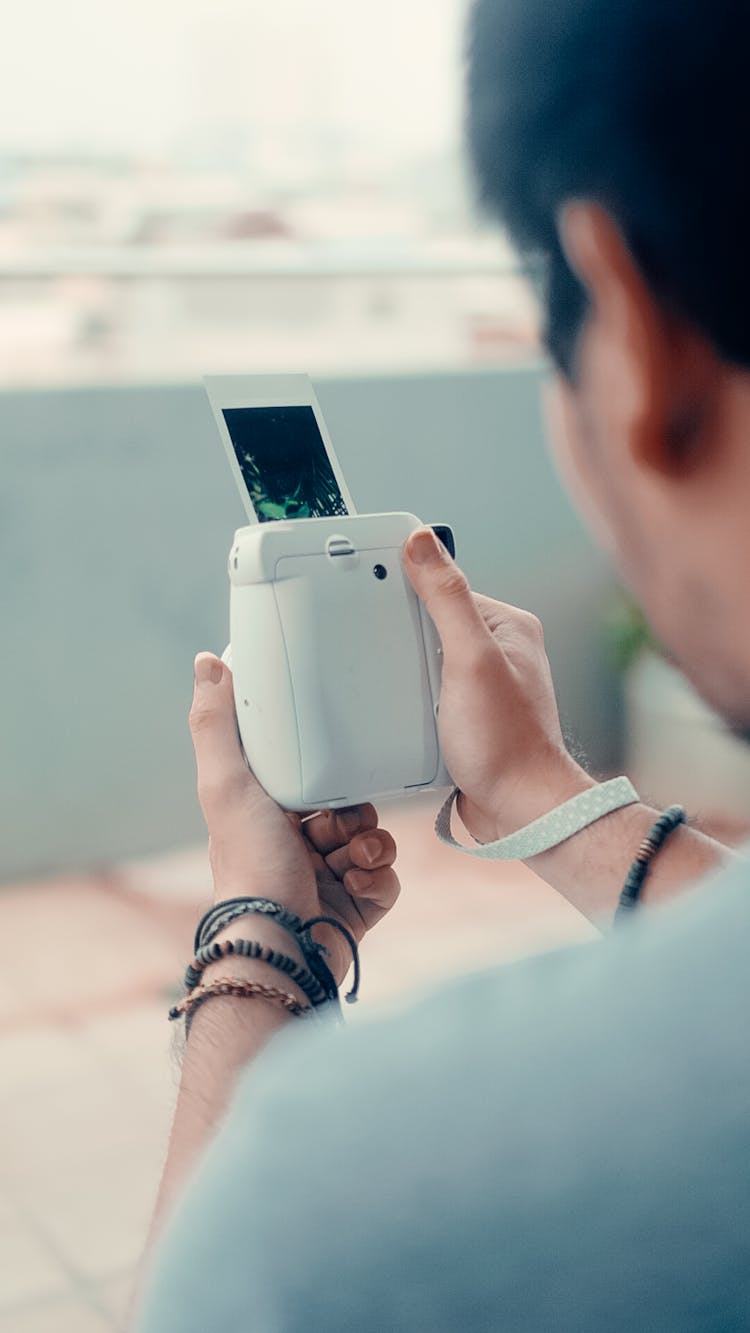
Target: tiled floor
{"points": [[87, 1081]]}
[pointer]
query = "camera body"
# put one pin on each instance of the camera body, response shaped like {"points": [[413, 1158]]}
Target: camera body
{"points": [[336, 663]]}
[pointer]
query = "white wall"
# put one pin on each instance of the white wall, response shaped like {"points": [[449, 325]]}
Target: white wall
{"points": [[116, 514]]}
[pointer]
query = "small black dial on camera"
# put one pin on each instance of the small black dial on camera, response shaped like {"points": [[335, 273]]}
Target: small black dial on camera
{"points": [[380, 572]]}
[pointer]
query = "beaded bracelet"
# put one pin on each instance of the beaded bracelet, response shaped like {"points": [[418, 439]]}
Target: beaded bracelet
{"points": [[222, 914], [247, 989], [652, 843], [211, 953]]}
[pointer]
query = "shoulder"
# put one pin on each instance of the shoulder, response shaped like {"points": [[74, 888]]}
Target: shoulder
{"points": [[528, 1132], [684, 965]]}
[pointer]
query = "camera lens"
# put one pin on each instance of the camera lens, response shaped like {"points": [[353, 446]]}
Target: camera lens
{"points": [[380, 572]]}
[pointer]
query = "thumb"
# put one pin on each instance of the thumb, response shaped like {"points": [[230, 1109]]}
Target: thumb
{"points": [[444, 589], [222, 769]]}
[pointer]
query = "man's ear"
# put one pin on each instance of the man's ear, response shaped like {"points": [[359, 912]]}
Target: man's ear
{"points": [[629, 349]]}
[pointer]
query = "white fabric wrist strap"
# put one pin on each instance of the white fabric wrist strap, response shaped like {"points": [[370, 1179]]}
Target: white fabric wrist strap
{"points": [[550, 829]]}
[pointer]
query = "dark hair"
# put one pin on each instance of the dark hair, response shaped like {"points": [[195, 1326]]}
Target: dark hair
{"points": [[642, 106]]}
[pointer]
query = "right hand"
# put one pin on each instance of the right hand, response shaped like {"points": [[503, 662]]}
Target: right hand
{"points": [[499, 726]]}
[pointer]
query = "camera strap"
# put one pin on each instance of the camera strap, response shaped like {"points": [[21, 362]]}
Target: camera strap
{"points": [[542, 834]]}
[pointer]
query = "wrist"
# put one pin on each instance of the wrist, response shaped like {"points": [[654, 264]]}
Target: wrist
{"points": [[590, 868], [551, 785], [266, 932]]}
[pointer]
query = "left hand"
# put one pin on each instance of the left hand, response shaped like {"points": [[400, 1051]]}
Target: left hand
{"points": [[337, 863]]}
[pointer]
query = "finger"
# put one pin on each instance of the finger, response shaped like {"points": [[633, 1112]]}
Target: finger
{"points": [[444, 589], [223, 773], [377, 887], [366, 851], [334, 828]]}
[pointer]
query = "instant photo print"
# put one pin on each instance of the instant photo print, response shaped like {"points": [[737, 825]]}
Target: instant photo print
{"points": [[278, 447], [336, 663]]}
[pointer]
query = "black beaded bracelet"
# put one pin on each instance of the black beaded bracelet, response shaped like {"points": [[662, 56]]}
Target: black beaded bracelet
{"points": [[222, 914], [652, 843], [211, 953]]}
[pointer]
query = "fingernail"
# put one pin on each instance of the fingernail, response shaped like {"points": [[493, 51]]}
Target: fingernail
{"points": [[371, 848], [208, 670], [359, 880], [424, 546]]}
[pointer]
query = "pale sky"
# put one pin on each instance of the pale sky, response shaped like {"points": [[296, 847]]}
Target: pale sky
{"points": [[141, 75]]}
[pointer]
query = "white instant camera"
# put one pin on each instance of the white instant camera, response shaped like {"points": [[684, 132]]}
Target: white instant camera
{"points": [[336, 663]]}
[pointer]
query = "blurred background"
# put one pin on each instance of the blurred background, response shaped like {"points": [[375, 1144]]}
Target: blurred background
{"points": [[189, 188]]}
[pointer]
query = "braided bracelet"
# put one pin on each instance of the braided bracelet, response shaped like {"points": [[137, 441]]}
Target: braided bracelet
{"points": [[652, 843], [246, 989], [211, 953], [224, 913]]}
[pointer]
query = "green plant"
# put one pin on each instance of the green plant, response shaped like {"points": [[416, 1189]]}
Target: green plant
{"points": [[628, 633]]}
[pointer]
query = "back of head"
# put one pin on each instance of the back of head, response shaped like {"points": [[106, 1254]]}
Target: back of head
{"points": [[642, 106]]}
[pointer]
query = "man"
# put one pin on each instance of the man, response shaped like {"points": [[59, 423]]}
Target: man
{"points": [[563, 1144]]}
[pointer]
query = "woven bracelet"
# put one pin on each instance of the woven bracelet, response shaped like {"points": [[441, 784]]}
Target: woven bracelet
{"points": [[245, 989], [652, 843], [211, 953], [224, 913]]}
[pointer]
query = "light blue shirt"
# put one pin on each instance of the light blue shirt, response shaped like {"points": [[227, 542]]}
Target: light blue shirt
{"points": [[561, 1144]]}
